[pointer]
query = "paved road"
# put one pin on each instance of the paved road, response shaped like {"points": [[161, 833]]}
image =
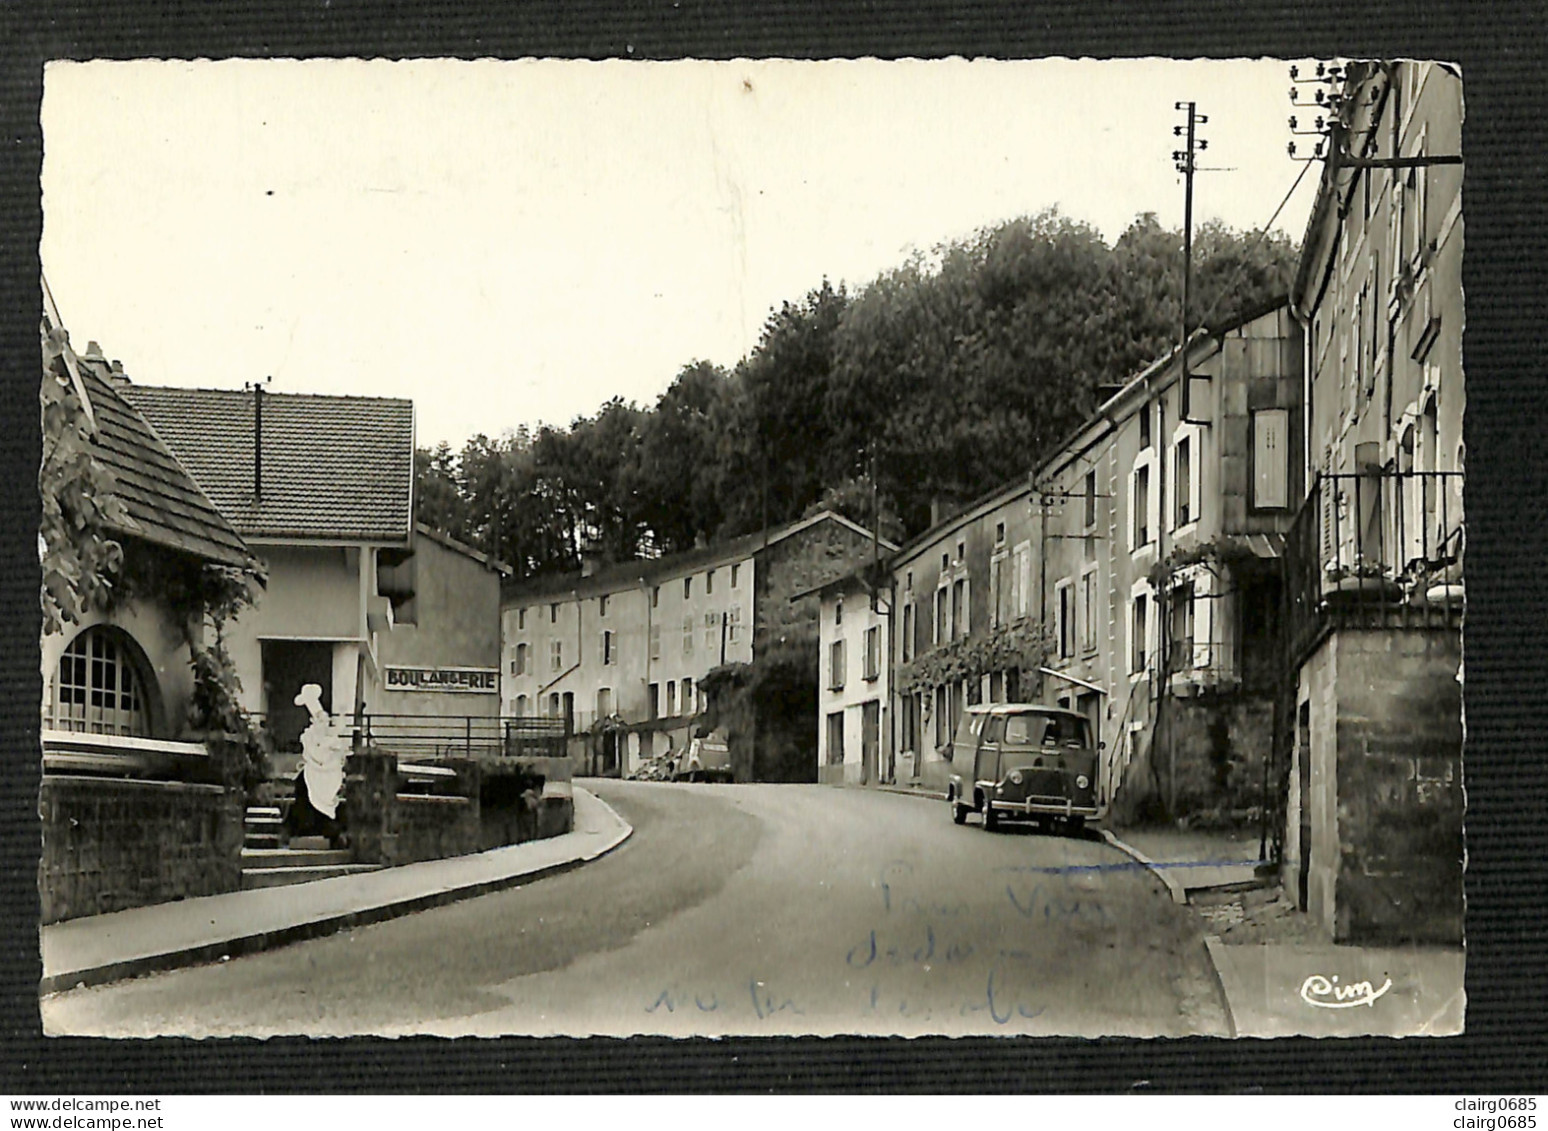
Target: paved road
{"points": [[736, 909]]}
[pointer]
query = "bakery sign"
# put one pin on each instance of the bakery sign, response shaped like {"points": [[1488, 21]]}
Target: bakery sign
{"points": [[464, 681]]}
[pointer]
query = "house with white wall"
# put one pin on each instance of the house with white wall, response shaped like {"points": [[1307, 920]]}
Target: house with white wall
{"points": [[625, 646], [853, 698]]}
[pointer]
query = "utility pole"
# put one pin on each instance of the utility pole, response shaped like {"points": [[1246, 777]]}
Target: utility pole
{"points": [[1185, 159]]}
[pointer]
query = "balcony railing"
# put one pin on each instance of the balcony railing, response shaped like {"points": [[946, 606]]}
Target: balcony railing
{"points": [[467, 736], [1208, 663], [1375, 550]]}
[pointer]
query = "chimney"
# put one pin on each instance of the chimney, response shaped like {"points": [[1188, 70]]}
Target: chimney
{"points": [[941, 506], [1106, 392], [257, 442]]}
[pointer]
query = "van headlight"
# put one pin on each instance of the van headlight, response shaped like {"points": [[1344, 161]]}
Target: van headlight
{"points": [[1015, 777], [1081, 781]]}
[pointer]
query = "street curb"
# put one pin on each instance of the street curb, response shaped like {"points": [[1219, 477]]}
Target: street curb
{"points": [[1211, 943], [904, 791], [1180, 897], [1179, 893], [316, 928]]}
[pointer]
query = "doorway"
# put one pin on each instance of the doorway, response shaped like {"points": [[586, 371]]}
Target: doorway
{"points": [[1303, 779], [1089, 703], [288, 665], [870, 740]]}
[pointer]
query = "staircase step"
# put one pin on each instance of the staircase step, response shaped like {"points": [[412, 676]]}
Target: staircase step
{"points": [[281, 877], [261, 840], [253, 858], [313, 843], [263, 812]]}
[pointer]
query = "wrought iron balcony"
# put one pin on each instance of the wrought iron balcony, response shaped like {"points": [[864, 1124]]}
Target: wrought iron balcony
{"points": [[1375, 550]]}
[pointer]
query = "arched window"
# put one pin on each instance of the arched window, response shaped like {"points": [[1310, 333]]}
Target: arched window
{"points": [[99, 688], [521, 706]]}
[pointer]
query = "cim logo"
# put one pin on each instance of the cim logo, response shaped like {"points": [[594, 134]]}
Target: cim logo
{"points": [[1326, 993]]}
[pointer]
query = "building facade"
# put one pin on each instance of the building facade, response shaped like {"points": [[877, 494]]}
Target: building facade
{"points": [[139, 801], [1373, 735], [397, 624], [1159, 531], [322, 488], [966, 627], [126, 670], [627, 646], [853, 701]]}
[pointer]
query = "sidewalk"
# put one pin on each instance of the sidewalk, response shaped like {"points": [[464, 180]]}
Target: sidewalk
{"points": [[1279, 973], [122, 944], [1190, 860]]}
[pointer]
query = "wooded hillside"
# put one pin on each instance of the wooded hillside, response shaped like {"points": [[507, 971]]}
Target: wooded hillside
{"points": [[950, 375]]}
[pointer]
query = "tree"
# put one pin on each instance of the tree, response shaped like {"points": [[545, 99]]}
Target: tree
{"points": [[438, 498], [948, 375], [678, 458], [780, 451]]}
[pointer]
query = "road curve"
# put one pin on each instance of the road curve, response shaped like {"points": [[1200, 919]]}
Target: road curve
{"points": [[762, 909]]}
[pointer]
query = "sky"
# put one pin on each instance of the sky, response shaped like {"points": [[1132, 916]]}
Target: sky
{"points": [[511, 243]]}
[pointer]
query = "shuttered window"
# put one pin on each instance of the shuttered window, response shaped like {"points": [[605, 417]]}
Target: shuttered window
{"points": [[1271, 458]]}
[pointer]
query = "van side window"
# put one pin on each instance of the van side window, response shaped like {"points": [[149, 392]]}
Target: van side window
{"points": [[993, 729]]}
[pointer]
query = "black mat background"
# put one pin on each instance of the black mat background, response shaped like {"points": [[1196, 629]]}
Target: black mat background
{"points": [[1501, 47]]}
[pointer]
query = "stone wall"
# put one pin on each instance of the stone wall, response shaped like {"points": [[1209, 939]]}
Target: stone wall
{"points": [[489, 804], [115, 843], [436, 827], [1220, 743], [783, 734], [1399, 790]]}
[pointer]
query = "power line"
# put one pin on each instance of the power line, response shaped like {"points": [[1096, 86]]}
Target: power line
{"points": [[1262, 234]]}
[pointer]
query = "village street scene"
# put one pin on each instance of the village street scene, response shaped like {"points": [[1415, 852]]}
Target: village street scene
{"points": [[1053, 632]]}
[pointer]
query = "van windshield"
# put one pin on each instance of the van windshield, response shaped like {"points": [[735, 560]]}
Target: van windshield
{"points": [[1047, 730]]}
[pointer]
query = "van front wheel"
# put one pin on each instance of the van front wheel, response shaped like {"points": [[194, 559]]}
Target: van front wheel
{"points": [[991, 818], [959, 812]]}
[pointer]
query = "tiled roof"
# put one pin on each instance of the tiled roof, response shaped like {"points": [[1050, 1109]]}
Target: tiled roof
{"points": [[333, 467], [620, 574], [165, 505]]}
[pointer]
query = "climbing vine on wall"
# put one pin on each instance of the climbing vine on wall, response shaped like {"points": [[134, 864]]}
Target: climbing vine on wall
{"points": [[78, 556], [85, 569], [204, 599], [1022, 644], [1223, 549]]}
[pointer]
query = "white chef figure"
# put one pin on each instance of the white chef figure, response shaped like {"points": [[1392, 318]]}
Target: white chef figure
{"points": [[323, 751]]}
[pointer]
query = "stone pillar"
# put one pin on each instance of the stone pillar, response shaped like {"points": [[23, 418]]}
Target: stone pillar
{"points": [[228, 767], [467, 835], [370, 806]]}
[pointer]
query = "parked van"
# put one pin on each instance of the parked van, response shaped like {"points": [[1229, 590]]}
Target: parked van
{"points": [[1024, 761]]}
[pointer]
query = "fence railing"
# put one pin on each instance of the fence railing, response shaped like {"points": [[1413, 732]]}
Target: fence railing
{"points": [[1196, 660], [465, 736], [1378, 549]]}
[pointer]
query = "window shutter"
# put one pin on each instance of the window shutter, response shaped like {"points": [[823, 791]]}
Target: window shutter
{"points": [[1270, 456]]}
